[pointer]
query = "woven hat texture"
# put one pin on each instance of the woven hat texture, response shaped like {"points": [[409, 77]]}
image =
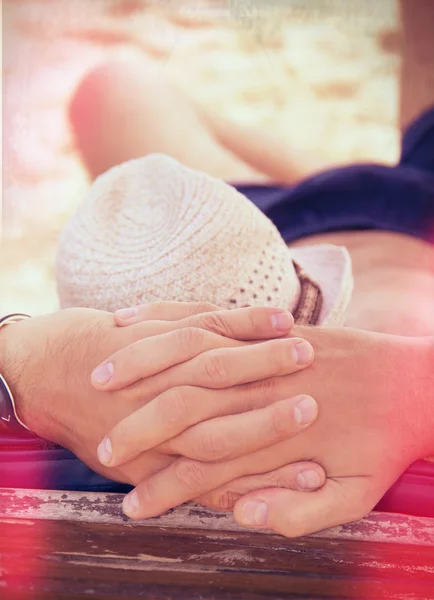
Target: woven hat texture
{"points": [[152, 229]]}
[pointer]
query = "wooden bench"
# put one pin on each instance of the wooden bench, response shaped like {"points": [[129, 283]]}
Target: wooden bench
{"points": [[60, 545]]}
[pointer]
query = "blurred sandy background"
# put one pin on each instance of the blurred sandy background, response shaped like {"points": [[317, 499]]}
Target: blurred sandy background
{"points": [[323, 74]]}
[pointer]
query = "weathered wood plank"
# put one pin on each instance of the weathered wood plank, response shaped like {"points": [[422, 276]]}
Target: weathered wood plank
{"points": [[106, 508], [59, 559], [60, 546]]}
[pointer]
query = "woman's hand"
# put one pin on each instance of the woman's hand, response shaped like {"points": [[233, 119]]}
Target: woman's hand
{"points": [[210, 383], [374, 421], [388, 382]]}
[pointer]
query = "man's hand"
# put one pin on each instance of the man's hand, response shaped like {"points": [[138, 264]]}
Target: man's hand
{"points": [[48, 363], [372, 424]]}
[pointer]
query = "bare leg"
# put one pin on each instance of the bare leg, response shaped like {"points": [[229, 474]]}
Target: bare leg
{"points": [[417, 71], [282, 162], [126, 109]]}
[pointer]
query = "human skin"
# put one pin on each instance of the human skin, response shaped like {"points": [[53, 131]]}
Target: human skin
{"points": [[48, 360], [378, 401]]}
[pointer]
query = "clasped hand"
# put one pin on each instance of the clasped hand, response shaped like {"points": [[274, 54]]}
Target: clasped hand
{"points": [[186, 401], [174, 375], [243, 432]]}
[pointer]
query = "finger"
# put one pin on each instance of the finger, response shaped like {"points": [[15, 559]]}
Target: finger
{"points": [[183, 480], [217, 438], [174, 411], [294, 513], [225, 367], [254, 323], [149, 356], [142, 467], [161, 311], [301, 476], [186, 479], [226, 438], [164, 418]]}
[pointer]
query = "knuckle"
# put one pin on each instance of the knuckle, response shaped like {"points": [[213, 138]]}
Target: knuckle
{"points": [[212, 445], [226, 500], [198, 308], [280, 421], [285, 480], [282, 357], [223, 500], [215, 369], [190, 338], [216, 324], [244, 400], [173, 405], [264, 391], [251, 314], [189, 475], [118, 436], [147, 492]]}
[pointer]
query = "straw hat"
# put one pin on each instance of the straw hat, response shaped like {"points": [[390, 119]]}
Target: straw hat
{"points": [[152, 230]]}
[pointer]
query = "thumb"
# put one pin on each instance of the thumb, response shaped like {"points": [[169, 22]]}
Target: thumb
{"points": [[294, 514]]}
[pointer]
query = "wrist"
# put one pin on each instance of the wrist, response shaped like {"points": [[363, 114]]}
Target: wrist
{"points": [[429, 396], [419, 394], [12, 369]]}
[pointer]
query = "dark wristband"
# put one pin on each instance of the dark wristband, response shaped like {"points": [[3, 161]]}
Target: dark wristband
{"points": [[9, 420]]}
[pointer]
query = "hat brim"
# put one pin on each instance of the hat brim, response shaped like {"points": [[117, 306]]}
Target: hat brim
{"points": [[330, 267]]}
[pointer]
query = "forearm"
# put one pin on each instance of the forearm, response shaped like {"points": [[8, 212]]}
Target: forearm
{"points": [[430, 399], [421, 392]]}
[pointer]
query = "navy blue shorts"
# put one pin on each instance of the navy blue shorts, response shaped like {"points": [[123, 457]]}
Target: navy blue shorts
{"points": [[361, 197]]}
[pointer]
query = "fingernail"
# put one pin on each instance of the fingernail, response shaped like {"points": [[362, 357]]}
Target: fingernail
{"points": [[282, 321], [305, 411], [105, 451], [127, 313], [130, 504], [254, 513], [303, 353], [103, 373], [308, 480]]}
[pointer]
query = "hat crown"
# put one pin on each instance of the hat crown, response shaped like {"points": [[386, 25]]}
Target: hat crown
{"points": [[153, 229]]}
